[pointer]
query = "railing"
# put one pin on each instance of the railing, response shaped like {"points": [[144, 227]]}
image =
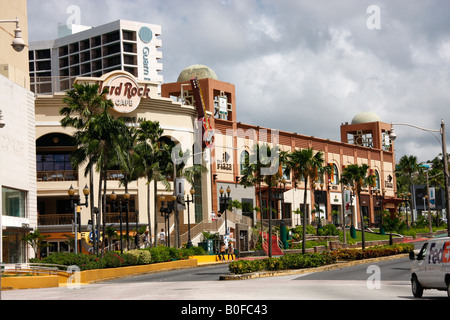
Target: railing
{"points": [[55, 219], [65, 175], [114, 217], [114, 175], [68, 218], [34, 268], [72, 175]]}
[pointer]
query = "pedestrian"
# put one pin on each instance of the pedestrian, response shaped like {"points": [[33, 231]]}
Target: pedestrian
{"points": [[230, 251], [162, 237], [146, 242], [223, 248]]}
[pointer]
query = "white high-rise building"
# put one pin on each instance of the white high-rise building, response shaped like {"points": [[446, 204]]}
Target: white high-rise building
{"points": [[93, 51]]}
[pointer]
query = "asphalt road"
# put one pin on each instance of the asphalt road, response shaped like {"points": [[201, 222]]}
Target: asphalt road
{"points": [[388, 280]]}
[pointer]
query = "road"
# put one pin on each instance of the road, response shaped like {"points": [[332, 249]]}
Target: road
{"points": [[388, 280]]}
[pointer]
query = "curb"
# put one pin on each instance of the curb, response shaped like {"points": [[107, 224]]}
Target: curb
{"points": [[335, 266]]}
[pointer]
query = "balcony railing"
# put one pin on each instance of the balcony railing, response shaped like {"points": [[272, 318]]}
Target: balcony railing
{"points": [[72, 175], [65, 175], [68, 218]]}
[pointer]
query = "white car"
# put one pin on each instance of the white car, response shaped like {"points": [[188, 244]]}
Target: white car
{"points": [[431, 267]]}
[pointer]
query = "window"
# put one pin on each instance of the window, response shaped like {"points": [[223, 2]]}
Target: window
{"points": [[53, 162], [247, 207], [13, 203], [377, 180], [286, 173], [244, 160], [334, 175]]}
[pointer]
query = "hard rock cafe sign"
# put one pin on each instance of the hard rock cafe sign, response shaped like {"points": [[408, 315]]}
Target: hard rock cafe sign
{"points": [[124, 90]]}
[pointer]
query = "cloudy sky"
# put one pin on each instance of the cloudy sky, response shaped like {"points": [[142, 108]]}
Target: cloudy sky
{"points": [[300, 65]]}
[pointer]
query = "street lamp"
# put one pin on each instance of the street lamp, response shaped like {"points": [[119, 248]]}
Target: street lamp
{"points": [[317, 198], [18, 44], [188, 201], [352, 191], [225, 199], [166, 209], [379, 197], [126, 196], [76, 204], [113, 198], [393, 136]]}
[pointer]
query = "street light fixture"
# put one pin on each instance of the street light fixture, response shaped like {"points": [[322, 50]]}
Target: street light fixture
{"points": [[225, 200], [188, 201], [167, 206], [18, 44], [443, 143], [113, 198], [76, 204]]}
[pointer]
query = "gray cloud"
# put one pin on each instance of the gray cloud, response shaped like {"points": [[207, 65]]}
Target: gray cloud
{"points": [[300, 66]]}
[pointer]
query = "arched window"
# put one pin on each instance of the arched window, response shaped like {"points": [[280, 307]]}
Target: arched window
{"points": [[377, 180], [334, 175], [244, 159]]}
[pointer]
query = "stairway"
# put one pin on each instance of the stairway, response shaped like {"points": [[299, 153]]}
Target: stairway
{"points": [[276, 250]]}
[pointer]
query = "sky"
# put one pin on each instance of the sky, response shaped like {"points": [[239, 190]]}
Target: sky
{"points": [[300, 65]]}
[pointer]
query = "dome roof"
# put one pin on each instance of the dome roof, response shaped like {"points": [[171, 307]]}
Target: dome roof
{"points": [[197, 70], [365, 117]]}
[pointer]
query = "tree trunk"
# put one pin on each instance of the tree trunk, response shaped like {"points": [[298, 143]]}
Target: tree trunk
{"points": [[155, 205], [149, 214], [304, 216], [363, 238]]}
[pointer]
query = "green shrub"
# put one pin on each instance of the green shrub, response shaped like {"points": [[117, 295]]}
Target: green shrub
{"points": [[142, 256], [372, 252], [289, 261], [330, 230]]}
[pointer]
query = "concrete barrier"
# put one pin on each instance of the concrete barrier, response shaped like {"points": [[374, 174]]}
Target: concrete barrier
{"points": [[90, 276]]}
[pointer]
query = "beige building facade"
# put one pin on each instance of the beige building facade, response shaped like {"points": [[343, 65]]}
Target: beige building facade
{"points": [[17, 139]]}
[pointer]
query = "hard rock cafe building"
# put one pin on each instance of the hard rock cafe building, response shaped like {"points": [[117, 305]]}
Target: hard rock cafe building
{"points": [[364, 140]]}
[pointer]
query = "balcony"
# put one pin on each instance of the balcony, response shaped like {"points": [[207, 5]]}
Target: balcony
{"points": [[67, 218], [66, 175]]}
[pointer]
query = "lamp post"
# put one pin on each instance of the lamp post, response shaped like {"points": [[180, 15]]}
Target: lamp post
{"points": [[113, 197], [126, 196], [166, 209], [189, 201], [379, 197], [76, 204], [352, 191], [405, 198], [317, 198], [225, 199], [443, 143]]}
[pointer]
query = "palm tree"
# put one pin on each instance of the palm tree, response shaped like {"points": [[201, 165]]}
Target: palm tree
{"points": [[358, 176], [305, 164], [99, 144], [408, 165], [152, 163], [262, 165], [82, 103]]}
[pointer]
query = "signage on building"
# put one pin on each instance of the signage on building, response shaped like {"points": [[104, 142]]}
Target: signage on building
{"points": [[124, 91]]}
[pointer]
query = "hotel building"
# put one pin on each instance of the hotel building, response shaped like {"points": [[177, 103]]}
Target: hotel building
{"points": [[93, 51]]}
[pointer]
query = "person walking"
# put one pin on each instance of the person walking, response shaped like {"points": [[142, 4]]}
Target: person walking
{"points": [[230, 251], [162, 237], [223, 248]]}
